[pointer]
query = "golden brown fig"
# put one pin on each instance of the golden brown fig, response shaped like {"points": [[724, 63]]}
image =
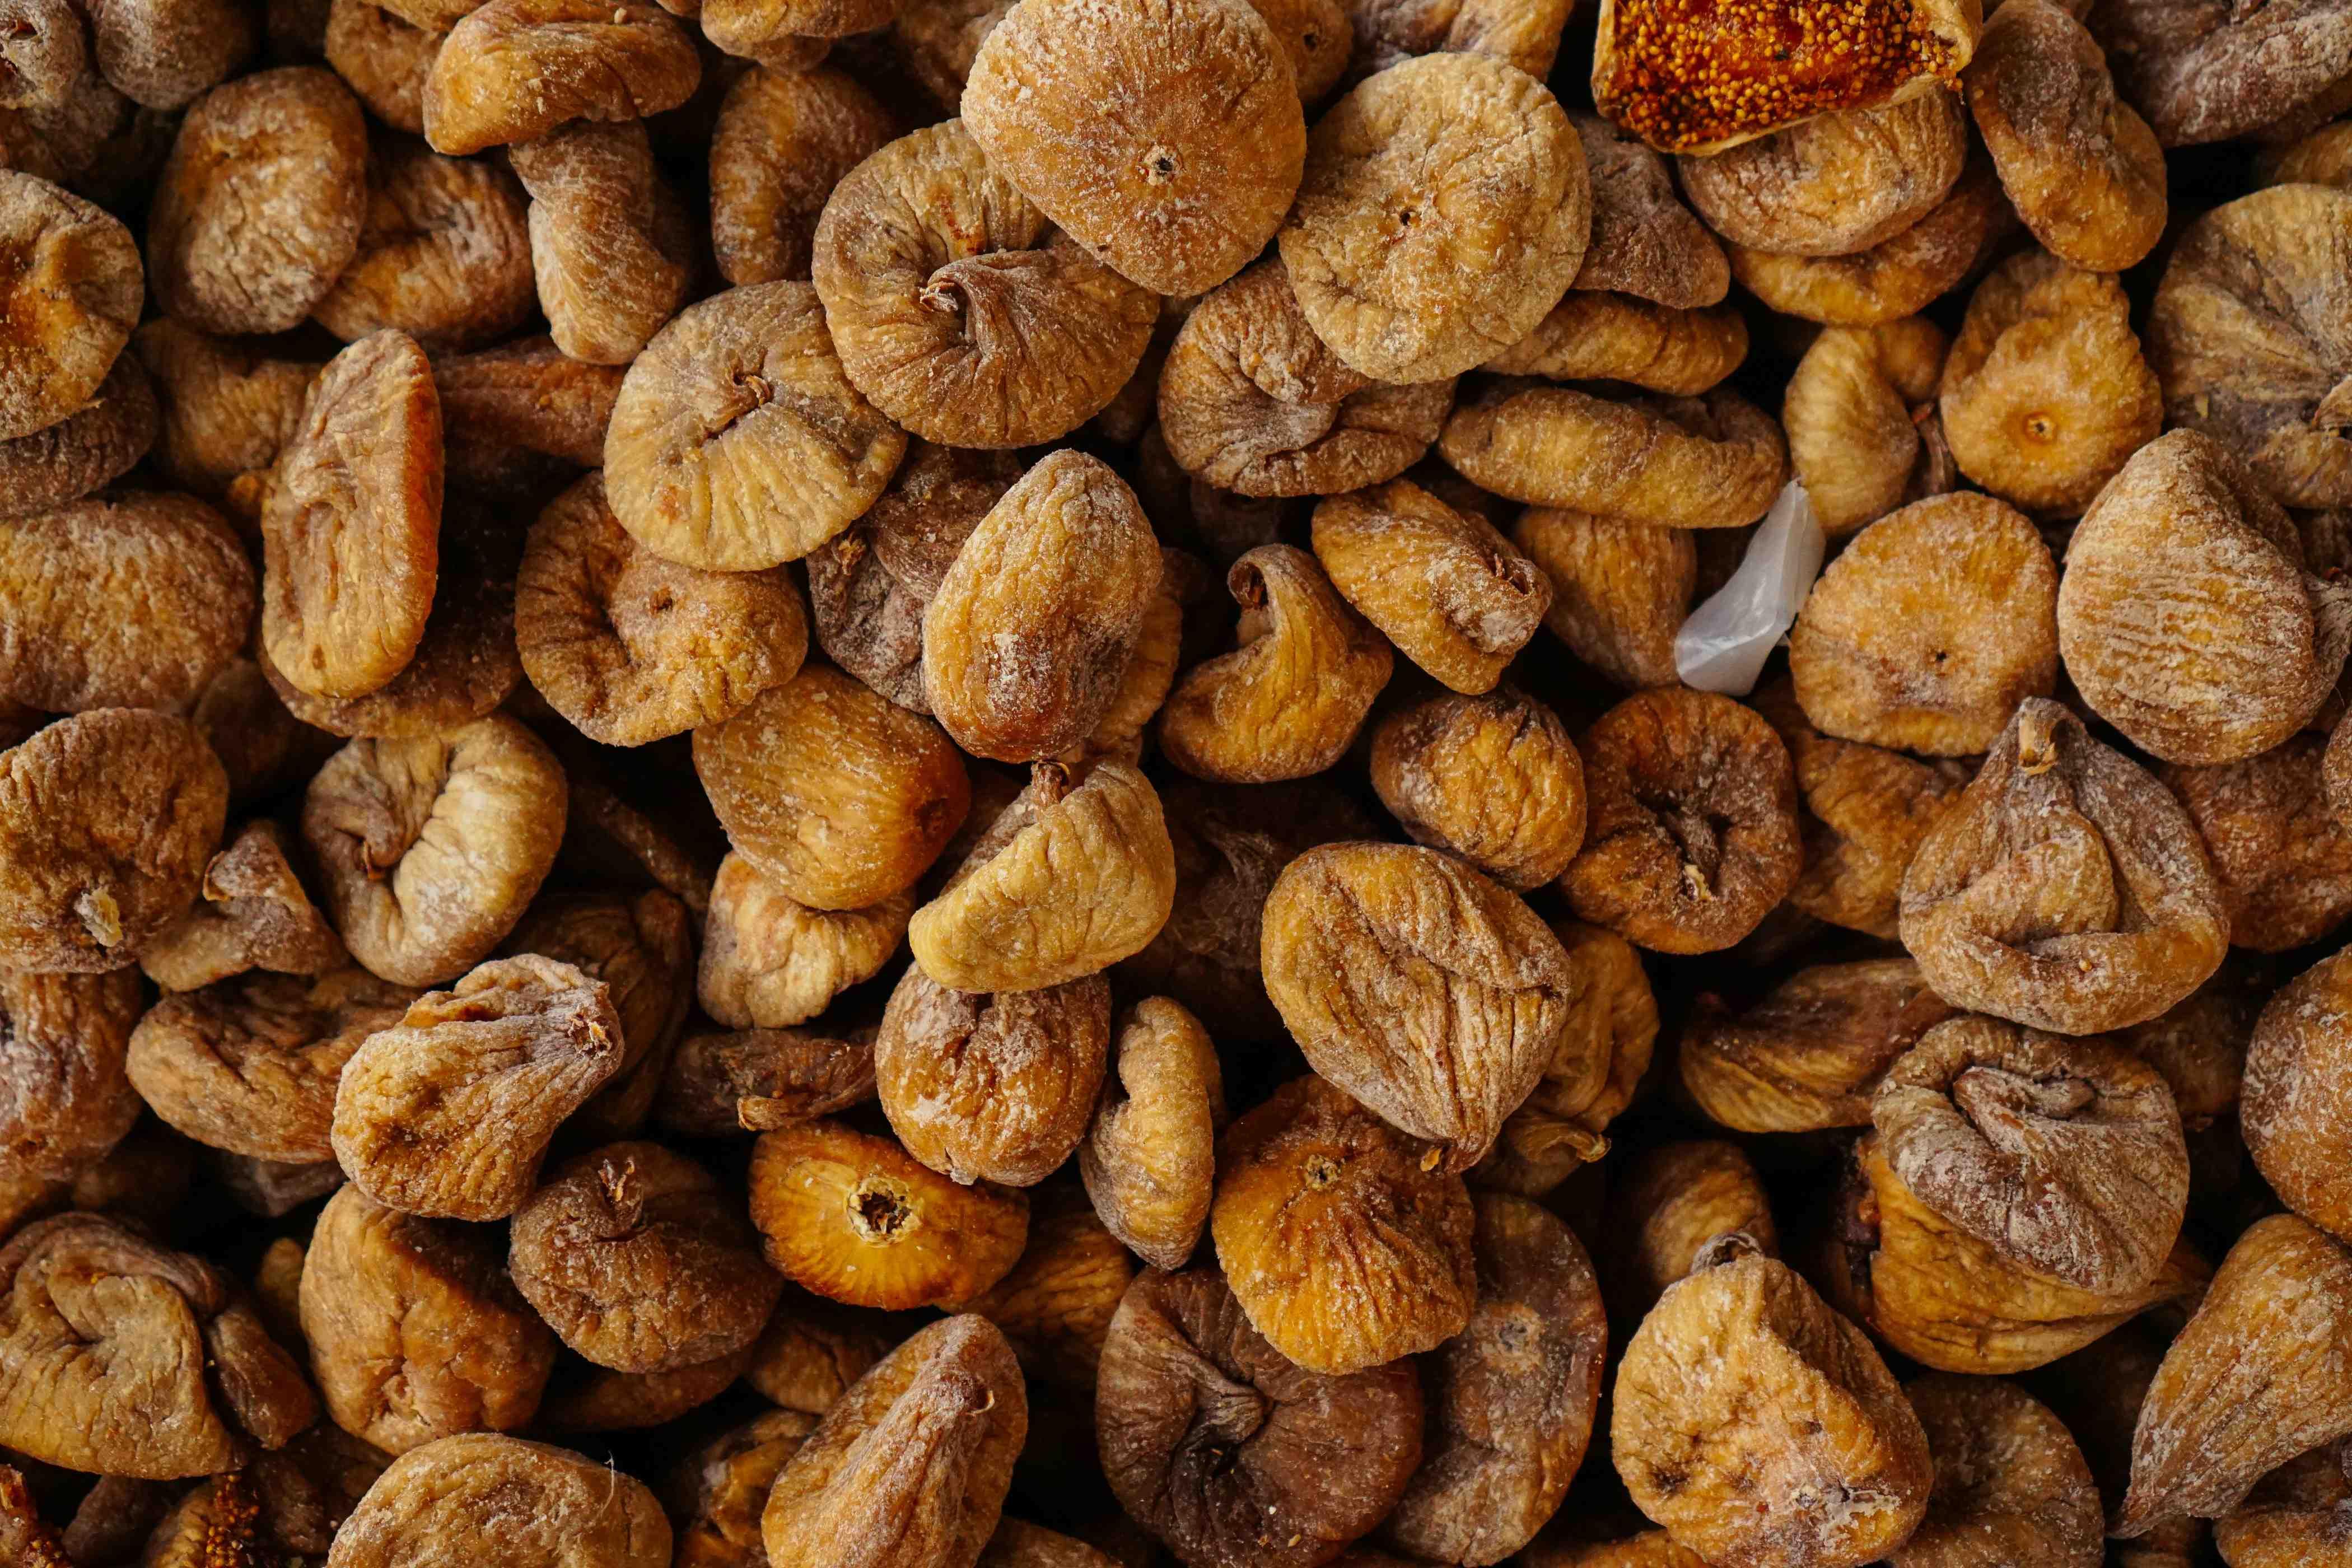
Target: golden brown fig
{"points": [[1345, 1244], [1447, 589], [66, 1095], [856, 1219], [2067, 890], [1595, 1067], [1760, 1427], [415, 1330], [255, 914], [2284, 858], [1286, 702], [1150, 1159], [449, 1113], [1691, 835], [1188, 182], [1423, 988], [1811, 1053], [837, 796], [992, 1088], [1929, 628], [769, 961], [2295, 1515], [1856, 411], [2254, 1379], [1494, 779], [2011, 1485], [2187, 617], [2291, 1114], [1026, 638], [1675, 1200], [913, 1464], [481, 1498], [1077, 874]]}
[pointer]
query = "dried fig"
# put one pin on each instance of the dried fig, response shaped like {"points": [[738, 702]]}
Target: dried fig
{"points": [[636, 1259], [992, 1088], [958, 311], [1512, 1397], [1183, 187], [761, 1079], [1691, 834], [497, 1501], [1446, 205], [1595, 1067], [73, 295], [913, 1464], [1252, 401], [1149, 1156], [430, 849], [715, 1493], [2046, 395], [64, 1099], [254, 913], [1615, 337], [260, 207], [1233, 1454], [416, 1331], [1895, 278], [1758, 1427], [1811, 1053], [1854, 410], [610, 244], [2284, 860], [836, 795], [769, 961], [226, 412], [91, 446], [1493, 779], [631, 647], [2011, 1485], [1645, 242], [251, 1064], [2253, 1380], [107, 819], [1675, 1200], [1056, 1304], [444, 255], [814, 1352], [128, 1359], [180, 591], [2289, 1116], [2206, 73], [1834, 184], [1032, 626], [449, 1113], [1345, 1244], [783, 141], [2067, 890], [856, 1218], [2080, 166], [1470, 990], [737, 443], [1619, 590], [512, 70], [1289, 700], [1715, 461], [1927, 631]]}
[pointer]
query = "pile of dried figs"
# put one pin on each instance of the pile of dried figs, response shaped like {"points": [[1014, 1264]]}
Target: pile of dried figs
{"points": [[945, 784]]}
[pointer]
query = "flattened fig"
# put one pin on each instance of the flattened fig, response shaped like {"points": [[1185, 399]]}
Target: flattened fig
{"points": [[254, 913], [485, 1499]]}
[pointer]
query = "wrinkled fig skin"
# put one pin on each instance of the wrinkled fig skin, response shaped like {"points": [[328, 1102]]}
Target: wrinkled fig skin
{"points": [[447, 1112], [2207, 73], [2067, 890], [2064, 1156], [1287, 701], [1234, 1455], [770, 962], [1345, 1244], [1930, 1290], [1423, 988], [124, 1358], [759, 1079], [1811, 1053], [1149, 1158], [107, 819], [2011, 1485], [1668, 1205], [1599, 1062], [1760, 1427], [992, 1088], [254, 913], [65, 1044], [429, 850], [1691, 825], [250, 1065], [641, 1261], [2293, 1114], [1494, 779], [2217, 1417], [416, 1331], [486, 1500], [912, 1464], [2187, 617], [1512, 1397]]}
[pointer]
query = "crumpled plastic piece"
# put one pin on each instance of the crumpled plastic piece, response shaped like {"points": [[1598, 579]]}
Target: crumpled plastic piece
{"points": [[1723, 644]]}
